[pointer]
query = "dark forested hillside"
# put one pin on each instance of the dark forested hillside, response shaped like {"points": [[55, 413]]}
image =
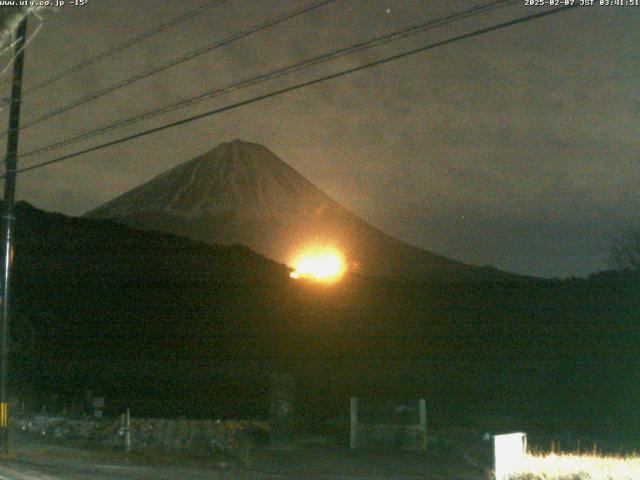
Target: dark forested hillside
{"points": [[174, 327]]}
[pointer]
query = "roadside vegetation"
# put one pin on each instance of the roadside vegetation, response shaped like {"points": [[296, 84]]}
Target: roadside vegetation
{"points": [[579, 466]]}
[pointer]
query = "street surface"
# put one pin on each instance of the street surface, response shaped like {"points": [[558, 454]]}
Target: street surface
{"points": [[36, 460]]}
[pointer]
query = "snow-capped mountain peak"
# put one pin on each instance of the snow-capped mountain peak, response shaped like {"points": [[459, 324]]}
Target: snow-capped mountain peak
{"points": [[235, 177]]}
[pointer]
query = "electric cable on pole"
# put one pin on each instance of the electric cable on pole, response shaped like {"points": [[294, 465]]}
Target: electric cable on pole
{"points": [[301, 85], [123, 46], [273, 74], [11, 164], [177, 61]]}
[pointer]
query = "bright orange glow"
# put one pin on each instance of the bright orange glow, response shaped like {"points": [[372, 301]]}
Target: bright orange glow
{"points": [[320, 265]]}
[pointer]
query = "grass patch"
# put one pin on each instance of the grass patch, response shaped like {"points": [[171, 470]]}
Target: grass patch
{"points": [[579, 466]]}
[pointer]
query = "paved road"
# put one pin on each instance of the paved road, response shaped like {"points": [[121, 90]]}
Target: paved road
{"points": [[20, 470], [34, 460], [40, 461]]}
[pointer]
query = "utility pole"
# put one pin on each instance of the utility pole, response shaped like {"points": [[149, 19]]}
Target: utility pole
{"points": [[11, 162]]}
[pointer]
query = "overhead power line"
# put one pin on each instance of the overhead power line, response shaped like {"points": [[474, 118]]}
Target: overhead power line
{"points": [[302, 85], [127, 44], [184, 58], [331, 55]]}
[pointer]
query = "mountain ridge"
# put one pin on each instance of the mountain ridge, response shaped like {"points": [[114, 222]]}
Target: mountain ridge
{"points": [[165, 326], [241, 192]]}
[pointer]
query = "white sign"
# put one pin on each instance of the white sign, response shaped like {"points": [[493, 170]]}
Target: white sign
{"points": [[509, 451]]}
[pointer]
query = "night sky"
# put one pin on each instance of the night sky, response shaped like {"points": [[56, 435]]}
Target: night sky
{"points": [[517, 149]]}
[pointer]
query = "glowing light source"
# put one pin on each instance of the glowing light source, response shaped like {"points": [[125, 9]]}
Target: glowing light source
{"points": [[320, 265]]}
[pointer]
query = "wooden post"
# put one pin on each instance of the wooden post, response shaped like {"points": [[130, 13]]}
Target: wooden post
{"points": [[127, 431], [423, 423], [354, 422], [281, 411]]}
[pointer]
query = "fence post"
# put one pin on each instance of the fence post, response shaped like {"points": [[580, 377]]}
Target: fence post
{"points": [[423, 423], [354, 422], [127, 431], [281, 410]]}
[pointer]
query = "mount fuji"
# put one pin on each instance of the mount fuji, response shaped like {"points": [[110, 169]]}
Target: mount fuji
{"points": [[241, 192]]}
